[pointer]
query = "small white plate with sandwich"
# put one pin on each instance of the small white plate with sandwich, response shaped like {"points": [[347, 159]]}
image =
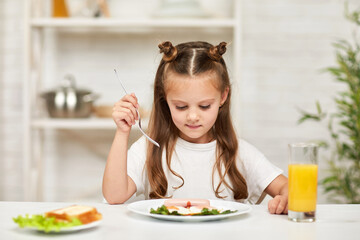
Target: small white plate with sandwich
{"points": [[67, 219], [189, 210]]}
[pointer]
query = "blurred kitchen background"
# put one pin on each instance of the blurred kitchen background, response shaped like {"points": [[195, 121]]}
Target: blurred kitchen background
{"points": [[276, 53]]}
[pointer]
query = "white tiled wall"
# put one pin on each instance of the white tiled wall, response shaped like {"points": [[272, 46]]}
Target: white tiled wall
{"points": [[11, 65], [285, 45]]}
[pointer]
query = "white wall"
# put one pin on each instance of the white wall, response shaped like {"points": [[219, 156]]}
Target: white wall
{"points": [[11, 65], [285, 44]]}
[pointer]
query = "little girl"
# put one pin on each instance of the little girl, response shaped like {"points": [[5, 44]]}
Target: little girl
{"points": [[200, 155]]}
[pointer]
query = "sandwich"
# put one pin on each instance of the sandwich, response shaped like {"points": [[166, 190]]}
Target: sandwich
{"points": [[85, 214]]}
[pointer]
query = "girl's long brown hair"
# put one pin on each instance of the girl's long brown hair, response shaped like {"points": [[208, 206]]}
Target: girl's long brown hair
{"points": [[191, 59]]}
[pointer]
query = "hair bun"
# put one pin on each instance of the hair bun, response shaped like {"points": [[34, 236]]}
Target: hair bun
{"points": [[170, 52], [216, 52]]}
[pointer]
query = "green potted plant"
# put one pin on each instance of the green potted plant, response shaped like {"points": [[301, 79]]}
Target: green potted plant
{"points": [[343, 181]]}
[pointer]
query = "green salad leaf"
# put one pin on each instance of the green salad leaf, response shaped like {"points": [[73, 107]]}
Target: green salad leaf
{"points": [[205, 211], [163, 211], [45, 224]]}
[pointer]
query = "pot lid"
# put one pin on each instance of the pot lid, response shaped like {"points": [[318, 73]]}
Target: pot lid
{"points": [[68, 84]]}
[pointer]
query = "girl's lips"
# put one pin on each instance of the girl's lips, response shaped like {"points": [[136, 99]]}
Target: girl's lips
{"points": [[193, 126]]}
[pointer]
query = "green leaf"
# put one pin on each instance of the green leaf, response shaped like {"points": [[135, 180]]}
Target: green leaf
{"points": [[309, 116], [45, 224], [318, 107], [329, 180], [331, 188]]}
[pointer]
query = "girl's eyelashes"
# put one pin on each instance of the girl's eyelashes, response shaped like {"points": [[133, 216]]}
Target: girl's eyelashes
{"points": [[205, 106], [200, 106], [181, 107]]}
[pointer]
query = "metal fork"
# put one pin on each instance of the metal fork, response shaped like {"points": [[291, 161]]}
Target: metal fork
{"points": [[139, 121]]}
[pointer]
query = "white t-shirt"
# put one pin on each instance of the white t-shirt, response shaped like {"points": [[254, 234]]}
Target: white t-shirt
{"points": [[194, 162]]}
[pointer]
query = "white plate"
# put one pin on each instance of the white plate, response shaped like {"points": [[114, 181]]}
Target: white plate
{"points": [[70, 229], [143, 208]]}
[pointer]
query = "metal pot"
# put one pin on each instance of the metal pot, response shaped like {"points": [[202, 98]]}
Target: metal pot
{"points": [[69, 102]]}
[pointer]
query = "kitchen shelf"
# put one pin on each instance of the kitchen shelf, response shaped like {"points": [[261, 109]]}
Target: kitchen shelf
{"points": [[83, 123], [87, 123], [130, 23]]}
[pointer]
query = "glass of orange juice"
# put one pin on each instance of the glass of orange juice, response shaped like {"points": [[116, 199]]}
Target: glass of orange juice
{"points": [[303, 172]]}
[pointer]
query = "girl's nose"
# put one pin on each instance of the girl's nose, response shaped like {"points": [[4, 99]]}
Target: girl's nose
{"points": [[192, 116]]}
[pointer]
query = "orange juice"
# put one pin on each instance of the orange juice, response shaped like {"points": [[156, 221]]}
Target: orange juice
{"points": [[302, 187]]}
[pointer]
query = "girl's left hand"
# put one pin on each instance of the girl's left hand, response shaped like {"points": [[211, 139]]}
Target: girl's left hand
{"points": [[278, 205], [278, 189]]}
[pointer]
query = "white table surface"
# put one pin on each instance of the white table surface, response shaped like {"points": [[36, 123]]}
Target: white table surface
{"points": [[333, 222]]}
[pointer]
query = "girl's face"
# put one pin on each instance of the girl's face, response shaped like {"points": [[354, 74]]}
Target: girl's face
{"points": [[194, 105]]}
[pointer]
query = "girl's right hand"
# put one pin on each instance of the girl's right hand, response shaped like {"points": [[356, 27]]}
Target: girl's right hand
{"points": [[124, 112]]}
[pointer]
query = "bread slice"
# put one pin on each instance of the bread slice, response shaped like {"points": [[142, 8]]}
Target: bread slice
{"points": [[85, 214]]}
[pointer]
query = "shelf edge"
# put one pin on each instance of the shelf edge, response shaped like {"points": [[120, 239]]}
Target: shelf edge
{"points": [[127, 23], [88, 123]]}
